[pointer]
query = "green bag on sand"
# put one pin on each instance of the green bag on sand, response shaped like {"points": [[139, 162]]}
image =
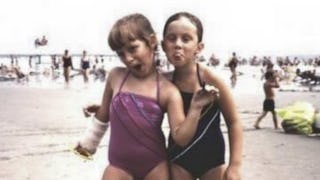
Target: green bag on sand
{"points": [[297, 118]]}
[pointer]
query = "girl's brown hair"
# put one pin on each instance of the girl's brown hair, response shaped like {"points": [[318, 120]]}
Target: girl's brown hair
{"points": [[130, 28], [192, 18]]}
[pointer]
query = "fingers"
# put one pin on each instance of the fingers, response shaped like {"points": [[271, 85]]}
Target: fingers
{"points": [[213, 95], [93, 108], [86, 112], [90, 109], [81, 152], [212, 92], [204, 96], [209, 88]]}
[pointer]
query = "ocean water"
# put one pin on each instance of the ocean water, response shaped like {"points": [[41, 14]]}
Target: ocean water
{"points": [[41, 75], [249, 78]]}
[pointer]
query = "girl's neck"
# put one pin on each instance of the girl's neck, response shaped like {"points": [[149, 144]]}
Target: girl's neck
{"points": [[151, 75], [185, 69]]}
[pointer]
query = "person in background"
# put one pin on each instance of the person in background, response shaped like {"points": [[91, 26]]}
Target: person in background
{"points": [[268, 103], [67, 66], [85, 65], [233, 63]]}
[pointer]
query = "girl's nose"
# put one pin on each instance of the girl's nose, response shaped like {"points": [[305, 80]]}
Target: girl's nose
{"points": [[178, 43]]}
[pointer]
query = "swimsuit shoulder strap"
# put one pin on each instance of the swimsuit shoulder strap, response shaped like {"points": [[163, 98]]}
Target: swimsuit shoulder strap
{"points": [[124, 80], [202, 84], [158, 88]]}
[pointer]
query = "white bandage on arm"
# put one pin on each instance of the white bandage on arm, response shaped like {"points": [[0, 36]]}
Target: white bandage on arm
{"points": [[93, 135]]}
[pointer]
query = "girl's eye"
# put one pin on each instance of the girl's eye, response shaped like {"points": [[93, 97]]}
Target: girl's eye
{"points": [[171, 38], [132, 49], [186, 39]]}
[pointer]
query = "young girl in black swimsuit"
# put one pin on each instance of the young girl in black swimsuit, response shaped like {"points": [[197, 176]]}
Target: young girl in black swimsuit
{"points": [[203, 157]]}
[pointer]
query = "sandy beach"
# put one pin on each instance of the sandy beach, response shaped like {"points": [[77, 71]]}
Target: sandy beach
{"points": [[38, 125]]}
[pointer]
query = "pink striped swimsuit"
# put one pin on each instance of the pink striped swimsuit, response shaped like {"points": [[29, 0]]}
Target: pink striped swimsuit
{"points": [[137, 143]]}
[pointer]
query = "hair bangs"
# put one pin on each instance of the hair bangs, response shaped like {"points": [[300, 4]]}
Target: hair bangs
{"points": [[121, 35]]}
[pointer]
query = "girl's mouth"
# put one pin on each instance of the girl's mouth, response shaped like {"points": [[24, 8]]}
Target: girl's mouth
{"points": [[137, 67], [177, 55]]}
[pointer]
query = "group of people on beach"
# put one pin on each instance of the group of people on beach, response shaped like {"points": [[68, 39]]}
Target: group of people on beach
{"points": [[137, 96], [193, 96], [13, 71], [59, 65], [87, 66]]}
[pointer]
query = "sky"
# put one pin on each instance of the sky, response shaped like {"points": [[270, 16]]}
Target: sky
{"points": [[248, 27]]}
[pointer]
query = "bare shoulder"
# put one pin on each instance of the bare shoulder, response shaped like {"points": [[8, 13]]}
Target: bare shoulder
{"points": [[169, 92], [117, 71], [166, 85], [115, 76], [210, 77]]}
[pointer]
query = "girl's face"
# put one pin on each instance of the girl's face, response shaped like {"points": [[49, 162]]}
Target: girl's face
{"points": [[180, 42], [138, 57]]}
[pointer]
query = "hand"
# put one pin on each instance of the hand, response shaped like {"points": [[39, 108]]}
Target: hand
{"points": [[203, 97], [232, 173], [83, 152], [90, 109]]}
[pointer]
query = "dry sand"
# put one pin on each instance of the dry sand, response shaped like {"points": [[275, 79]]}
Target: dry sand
{"points": [[38, 125]]}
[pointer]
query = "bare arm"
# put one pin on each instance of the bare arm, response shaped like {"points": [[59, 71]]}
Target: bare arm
{"points": [[231, 117], [94, 133], [103, 112]]}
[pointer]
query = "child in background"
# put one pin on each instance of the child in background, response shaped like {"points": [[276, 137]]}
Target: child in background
{"points": [[268, 103]]}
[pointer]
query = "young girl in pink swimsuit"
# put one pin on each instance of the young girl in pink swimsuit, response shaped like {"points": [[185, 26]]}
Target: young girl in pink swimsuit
{"points": [[134, 101]]}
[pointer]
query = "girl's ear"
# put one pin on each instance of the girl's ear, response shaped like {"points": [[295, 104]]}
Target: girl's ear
{"points": [[153, 41], [199, 48]]}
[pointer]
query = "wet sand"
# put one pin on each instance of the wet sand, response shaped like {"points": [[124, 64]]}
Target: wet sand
{"points": [[38, 125]]}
